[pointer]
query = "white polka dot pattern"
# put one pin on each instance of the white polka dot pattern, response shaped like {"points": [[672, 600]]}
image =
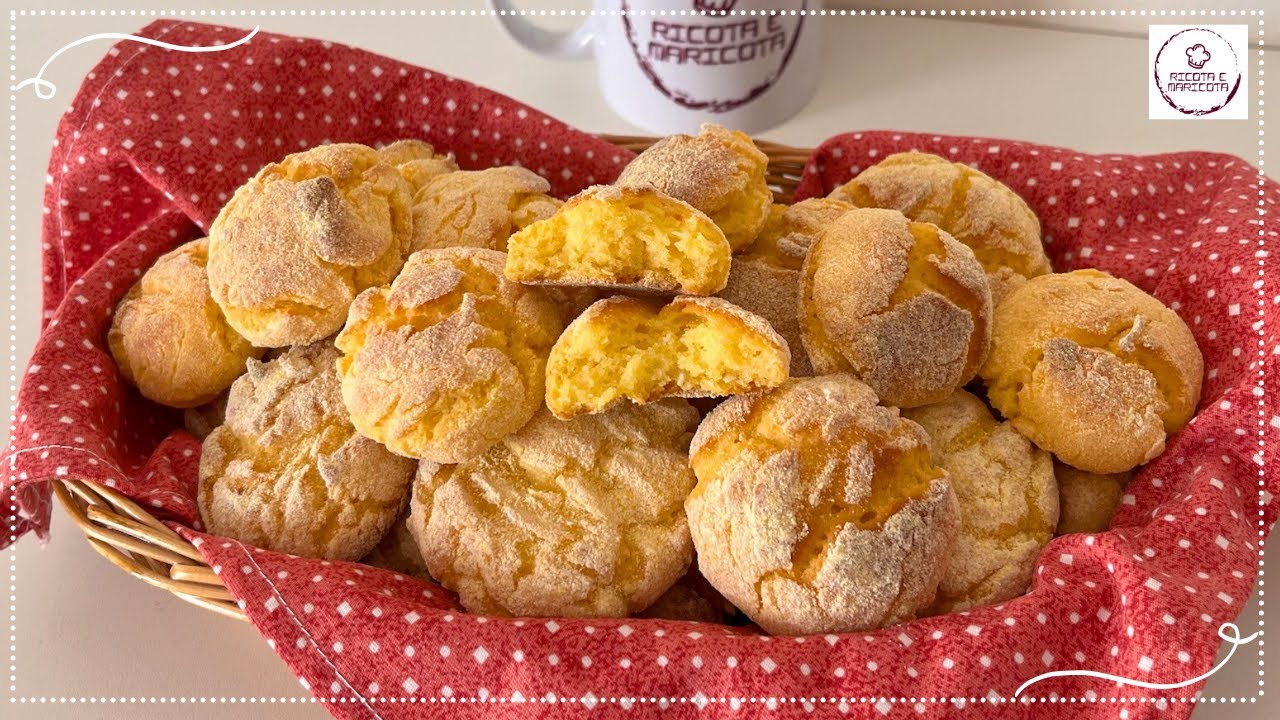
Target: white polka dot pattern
{"points": [[155, 142]]}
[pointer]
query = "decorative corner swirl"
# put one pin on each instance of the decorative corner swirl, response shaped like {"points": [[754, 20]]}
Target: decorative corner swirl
{"points": [[45, 89], [1234, 638]]}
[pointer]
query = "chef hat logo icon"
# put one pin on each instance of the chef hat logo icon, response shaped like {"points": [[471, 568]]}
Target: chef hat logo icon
{"points": [[714, 6], [1197, 56]]}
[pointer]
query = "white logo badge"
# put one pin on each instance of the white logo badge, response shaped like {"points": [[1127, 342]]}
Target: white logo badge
{"points": [[1198, 71]]}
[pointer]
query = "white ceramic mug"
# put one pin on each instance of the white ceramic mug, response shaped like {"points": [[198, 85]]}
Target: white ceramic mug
{"points": [[670, 65]]}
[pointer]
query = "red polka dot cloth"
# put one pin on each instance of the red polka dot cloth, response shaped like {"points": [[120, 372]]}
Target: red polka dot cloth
{"points": [[156, 141]]}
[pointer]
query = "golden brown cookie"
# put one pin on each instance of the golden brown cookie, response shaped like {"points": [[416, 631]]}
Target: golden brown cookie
{"points": [[303, 237], [398, 551], [718, 171], [1008, 501], [417, 161], [900, 304], [1092, 369], [480, 208], [449, 358], [972, 207], [168, 337], [765, 279], [626, 348], [625, 239], [582, 518], [288, 472], [818, 510], [1088, 500], [692, 599]]}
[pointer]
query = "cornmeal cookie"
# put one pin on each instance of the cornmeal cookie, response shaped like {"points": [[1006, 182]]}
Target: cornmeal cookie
{"points": [[449, 358], [626, 348], [971, 206], [718, 171], [303, 237], [581, 518], [398, 551], [899, 303], [1092, 369], [169, 338], [479, 208], [765, 279], [288, 472], [1088, 500], [692, 599], [417, 161], [818, 510], [1008, 501], [625, 239]]}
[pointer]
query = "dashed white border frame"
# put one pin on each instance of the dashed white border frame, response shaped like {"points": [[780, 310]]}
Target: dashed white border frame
{"points": [[698, 699]]}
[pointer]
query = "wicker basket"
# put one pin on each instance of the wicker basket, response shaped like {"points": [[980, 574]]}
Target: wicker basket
{"points": [[136, 542]]}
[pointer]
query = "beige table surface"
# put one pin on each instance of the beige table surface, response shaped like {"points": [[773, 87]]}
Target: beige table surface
{"points": [[84, 629]]}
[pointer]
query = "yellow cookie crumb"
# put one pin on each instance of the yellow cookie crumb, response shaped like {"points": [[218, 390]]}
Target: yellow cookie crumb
{"points": [[630, 349], [622, 238]]}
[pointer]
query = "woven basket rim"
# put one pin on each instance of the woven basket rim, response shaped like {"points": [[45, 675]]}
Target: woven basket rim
{"points": [[135, 541]]}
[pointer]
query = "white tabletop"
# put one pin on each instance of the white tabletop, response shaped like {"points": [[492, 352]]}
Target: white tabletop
{"points": [[86, 630]]}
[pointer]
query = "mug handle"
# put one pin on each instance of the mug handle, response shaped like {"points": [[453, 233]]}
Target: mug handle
{"points": [[572, 44]]}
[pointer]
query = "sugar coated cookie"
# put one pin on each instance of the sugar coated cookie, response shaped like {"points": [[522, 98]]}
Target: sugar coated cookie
{"points": [[899, 303], [971, 206], [719, 171], [765, 279], [622, 238], [1008, 501], [449, 358], [818, 510], [170, 339], [303, 237], [625, 348], [288, 472], [1092, 369], [581, 518], [479, 208]]}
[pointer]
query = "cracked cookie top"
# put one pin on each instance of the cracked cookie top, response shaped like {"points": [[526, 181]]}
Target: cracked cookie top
{"points": [[900, 304], [1092, 369], [299, 240], [818, 510], [286, 471], [1008, 501], [170, 339], [577, 518], [448, 358], [976, 209]]}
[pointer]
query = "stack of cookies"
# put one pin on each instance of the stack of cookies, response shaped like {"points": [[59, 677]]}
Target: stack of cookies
{"points": [[666, 397]]}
